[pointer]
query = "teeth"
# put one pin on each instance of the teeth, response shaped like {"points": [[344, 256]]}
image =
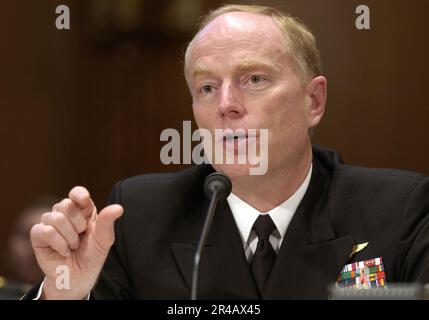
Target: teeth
{"points": [[235, 137]]}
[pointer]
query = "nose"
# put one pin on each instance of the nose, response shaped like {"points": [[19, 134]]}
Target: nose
{"points": [[230, 104]]}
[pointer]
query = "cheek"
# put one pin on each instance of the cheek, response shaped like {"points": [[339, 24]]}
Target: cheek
{"points": [[200, 116], [205, 115], [284, 116], [285, 108]]}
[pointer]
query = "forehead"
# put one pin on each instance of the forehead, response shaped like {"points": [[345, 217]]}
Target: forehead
{"points": [[246, 35]]}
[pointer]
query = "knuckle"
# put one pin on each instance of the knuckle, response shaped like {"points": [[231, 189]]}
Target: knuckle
{"points": [[54, 218], [44, 218], [57, 206], [57, 218], [50, 233], [67, 204], [48, 230], [35, 231], [54, 239]]}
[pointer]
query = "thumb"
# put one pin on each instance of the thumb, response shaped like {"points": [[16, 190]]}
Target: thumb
{"points": [[104, 231]]}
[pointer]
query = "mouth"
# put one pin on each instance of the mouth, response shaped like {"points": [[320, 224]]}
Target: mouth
{"points": [[235, 137], [238, 142], [238, 135]]}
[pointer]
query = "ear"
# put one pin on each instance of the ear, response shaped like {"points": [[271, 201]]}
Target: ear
{"points": [[316, 91]]}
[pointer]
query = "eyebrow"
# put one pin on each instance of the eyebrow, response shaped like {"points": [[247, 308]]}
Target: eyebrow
{"points": [[200, 71], [245, 65], [248, 65]]}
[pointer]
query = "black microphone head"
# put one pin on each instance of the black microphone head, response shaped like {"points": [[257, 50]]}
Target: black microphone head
{"points": [[220, 182]]}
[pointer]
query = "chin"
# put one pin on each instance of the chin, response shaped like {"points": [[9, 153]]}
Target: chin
{"points": [[234, 170]]}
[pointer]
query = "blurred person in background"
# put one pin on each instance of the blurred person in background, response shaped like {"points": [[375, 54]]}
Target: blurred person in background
{"points": [[18, 259]]}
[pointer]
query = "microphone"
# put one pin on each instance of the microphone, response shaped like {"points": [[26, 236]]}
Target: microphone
{"points": [[217, 187]]}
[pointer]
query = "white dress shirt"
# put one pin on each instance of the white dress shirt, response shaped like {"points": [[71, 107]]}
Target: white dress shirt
{"points": [[245, 216]]}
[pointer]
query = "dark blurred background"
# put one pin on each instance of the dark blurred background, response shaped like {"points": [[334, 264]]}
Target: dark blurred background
{"points": [[86, 106]]}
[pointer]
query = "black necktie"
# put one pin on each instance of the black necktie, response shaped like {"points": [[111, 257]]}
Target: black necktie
{"points": [[264, 256]]}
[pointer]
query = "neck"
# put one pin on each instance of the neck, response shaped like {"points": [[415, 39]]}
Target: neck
{"points": [[266, 192]]}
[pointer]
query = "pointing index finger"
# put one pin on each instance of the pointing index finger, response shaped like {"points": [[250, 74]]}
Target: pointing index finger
{"points": [[82, 198]]}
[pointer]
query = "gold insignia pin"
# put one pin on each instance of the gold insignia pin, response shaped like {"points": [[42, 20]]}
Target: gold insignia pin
{"points": [[358, 247], [3, 282]]}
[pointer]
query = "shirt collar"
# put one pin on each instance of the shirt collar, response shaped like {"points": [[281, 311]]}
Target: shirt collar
{"points": [[245, 215]]}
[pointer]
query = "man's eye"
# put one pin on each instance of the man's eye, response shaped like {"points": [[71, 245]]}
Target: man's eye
{"points": [[255, 79], [207, 88]]}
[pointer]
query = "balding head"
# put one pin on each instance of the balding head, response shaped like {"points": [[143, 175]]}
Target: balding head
{"points": [[233, 32], [234, 21]]}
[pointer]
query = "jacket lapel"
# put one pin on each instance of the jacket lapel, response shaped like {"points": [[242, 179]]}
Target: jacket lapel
{"points": [[224, 272], [311, 256]]}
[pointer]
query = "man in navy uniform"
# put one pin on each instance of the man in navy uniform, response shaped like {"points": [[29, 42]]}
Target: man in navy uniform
{"points": [[308, 222]]}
